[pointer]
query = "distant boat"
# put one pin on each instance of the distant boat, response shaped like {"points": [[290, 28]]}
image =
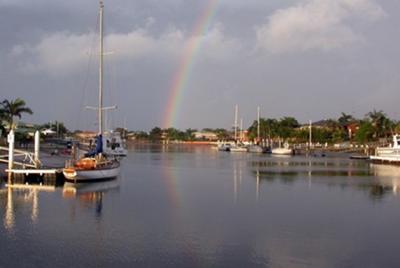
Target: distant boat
{"points": [[390, 154], [113, 144], [224, 146], [282, 150], [95, 165], [255, 148], [238, 148]]}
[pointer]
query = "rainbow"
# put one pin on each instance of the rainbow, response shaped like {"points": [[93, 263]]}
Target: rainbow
{"points": [[183, 72]]}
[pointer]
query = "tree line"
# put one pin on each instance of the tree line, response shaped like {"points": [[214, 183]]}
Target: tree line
{"points": [[374, 126]]}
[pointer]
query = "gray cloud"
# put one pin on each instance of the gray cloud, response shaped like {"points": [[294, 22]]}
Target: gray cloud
{"points": [[316, 24], [313, 59]]}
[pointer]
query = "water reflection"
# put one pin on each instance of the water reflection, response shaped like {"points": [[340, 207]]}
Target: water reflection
{"points": [[377, 180], [90, 193], [237, 178], [9, 218], [257, 185], [387, 176], [214, 209], [21, 194]]}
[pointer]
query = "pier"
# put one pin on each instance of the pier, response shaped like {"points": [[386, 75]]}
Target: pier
{"points": [[30, 168]]}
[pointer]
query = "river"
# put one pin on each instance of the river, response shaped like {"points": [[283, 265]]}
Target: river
{"points": [[191, 206]]}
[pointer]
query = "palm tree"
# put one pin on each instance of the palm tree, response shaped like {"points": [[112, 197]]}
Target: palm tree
{"points": [[381, 123], [2, 119], [14, 108], [345, 119]]}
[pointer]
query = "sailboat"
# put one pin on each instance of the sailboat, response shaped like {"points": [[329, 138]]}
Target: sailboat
{"points": [[256, 148], [238, 146], [285, 150], [94, 166]]}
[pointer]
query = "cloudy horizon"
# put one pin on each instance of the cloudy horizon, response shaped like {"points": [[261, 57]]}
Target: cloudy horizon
{"points": [[311, 59]]}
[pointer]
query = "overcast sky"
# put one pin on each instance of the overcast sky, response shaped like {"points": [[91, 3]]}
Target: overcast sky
{"points": [[311, 59]]}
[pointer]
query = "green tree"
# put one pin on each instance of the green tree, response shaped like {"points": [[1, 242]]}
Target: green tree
{"points": [[155, 133], [268, 128], [381, 123], [365, 133], [189, 134], [141, 135], [338, 135], [14, 108], [175, 134], [2, 119], [286, 127]]}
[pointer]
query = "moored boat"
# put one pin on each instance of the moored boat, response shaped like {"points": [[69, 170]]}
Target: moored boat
{"points": [[285, 150], [282, 151], [114, 145], [255, 148], [92, 169], [238, 148], [95, 165], [390, 154], [224, 146]]}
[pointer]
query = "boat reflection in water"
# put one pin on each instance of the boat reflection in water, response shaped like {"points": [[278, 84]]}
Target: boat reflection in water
{"points": [[90, 193], [376, 180], [387, 176]]}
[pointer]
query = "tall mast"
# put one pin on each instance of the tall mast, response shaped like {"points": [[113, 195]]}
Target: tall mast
{"points": [[241, 129], [310, 134], [100, 111], [236, 118], [258, 124]]}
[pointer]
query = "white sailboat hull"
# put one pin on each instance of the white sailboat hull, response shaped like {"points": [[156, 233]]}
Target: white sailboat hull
{"points": [[238, 149], [92, 175], [282, 151]]}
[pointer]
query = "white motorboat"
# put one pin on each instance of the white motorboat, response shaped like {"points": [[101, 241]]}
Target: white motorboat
{"points": [[114, 144], [390, 154], [95, 165], [224, 146]]}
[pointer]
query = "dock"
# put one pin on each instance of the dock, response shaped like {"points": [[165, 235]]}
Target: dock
{"points": [[30, 168]]}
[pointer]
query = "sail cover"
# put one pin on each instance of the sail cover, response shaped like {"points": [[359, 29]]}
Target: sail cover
{"points": [[99, 144]]}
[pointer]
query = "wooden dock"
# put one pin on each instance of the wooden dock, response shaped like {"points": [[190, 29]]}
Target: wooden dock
{"points": [[32, 171]]}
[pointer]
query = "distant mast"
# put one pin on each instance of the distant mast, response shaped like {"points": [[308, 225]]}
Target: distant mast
{"points": [[100, 111], [258, 124], [241, 129], [310, 134], [236, 119]]}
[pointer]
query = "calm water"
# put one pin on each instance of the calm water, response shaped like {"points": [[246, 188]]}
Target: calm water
{"points": [[195, 207]]}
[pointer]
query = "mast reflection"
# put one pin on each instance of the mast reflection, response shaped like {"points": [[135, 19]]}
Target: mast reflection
{"points": [[90, 193], [237, 179]]}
